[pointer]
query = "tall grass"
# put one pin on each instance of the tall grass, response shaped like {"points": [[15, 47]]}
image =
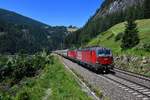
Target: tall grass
{"points": [[107, 39], [52, 83]]}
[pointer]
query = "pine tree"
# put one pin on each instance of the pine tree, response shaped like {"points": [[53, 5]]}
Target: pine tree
{"points": [[146, 8], [130, 37]]}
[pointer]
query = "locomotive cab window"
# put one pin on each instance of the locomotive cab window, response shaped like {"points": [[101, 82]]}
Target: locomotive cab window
{"points": [[104, 52]]}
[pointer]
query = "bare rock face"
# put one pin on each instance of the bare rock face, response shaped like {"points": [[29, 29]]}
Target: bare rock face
{"points": [[132, 61], [112, 6], [144, 61]]}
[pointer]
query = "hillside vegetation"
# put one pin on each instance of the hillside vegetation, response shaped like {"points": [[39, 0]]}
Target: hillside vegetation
{"points": [[37, 77], [110, 13], [109, 38], [20, 33]]}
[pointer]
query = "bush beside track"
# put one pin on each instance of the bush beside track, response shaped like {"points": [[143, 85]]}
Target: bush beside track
{"points": [[37, 77]]}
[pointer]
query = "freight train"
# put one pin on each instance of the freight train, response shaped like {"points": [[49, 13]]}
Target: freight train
{"points": [[98, 58]]}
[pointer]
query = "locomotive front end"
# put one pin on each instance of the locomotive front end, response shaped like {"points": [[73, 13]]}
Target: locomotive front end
{"points": [[105, 59]]}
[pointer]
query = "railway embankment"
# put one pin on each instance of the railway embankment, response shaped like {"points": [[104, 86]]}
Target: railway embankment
{"points": [[136, 64], [53, 82], [112, 86]]}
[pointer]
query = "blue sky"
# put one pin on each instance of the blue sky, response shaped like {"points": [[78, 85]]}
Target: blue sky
{"points": [[54, 12]]}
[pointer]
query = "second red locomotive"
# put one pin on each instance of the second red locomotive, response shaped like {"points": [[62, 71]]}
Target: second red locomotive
{"points": [[98, 58]]}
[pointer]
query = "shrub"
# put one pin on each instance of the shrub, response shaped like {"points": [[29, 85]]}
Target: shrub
{"points": [[109, 37], [146, 47], [19, 66], [5, 97], [119, 36], [23, 95]]}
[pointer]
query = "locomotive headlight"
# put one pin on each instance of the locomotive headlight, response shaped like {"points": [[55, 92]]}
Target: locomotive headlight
{"points": [[97, 62]]}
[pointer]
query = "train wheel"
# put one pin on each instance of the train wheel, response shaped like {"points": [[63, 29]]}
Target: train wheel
{"points": [[104, 71], [96, 70]]}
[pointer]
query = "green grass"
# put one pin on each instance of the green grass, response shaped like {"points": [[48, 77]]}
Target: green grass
{"points": [[94, 89], [107, 38], [54, 82]]}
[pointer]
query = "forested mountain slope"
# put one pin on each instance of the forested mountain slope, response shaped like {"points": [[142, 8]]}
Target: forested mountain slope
{"points": [[110, 13], [19, 33], [112, 38]]}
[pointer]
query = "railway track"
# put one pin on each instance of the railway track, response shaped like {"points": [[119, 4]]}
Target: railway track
{"points": [[133, 83], [135, 78], [82, 84], [137, 85], [133, 74], [139, 91]]}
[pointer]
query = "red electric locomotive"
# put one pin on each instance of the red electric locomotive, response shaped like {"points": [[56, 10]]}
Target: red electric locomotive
{"points": [[98, 58], [71, 54]]}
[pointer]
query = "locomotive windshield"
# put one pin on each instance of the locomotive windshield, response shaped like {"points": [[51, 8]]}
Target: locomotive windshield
{"points": [[104, 52]]}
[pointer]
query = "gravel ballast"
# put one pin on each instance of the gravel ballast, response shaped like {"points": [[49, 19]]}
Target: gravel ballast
{"points": [[110, 89]]}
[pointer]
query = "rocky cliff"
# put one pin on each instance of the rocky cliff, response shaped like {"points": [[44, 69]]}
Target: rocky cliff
{"points": [[113, 6]]}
